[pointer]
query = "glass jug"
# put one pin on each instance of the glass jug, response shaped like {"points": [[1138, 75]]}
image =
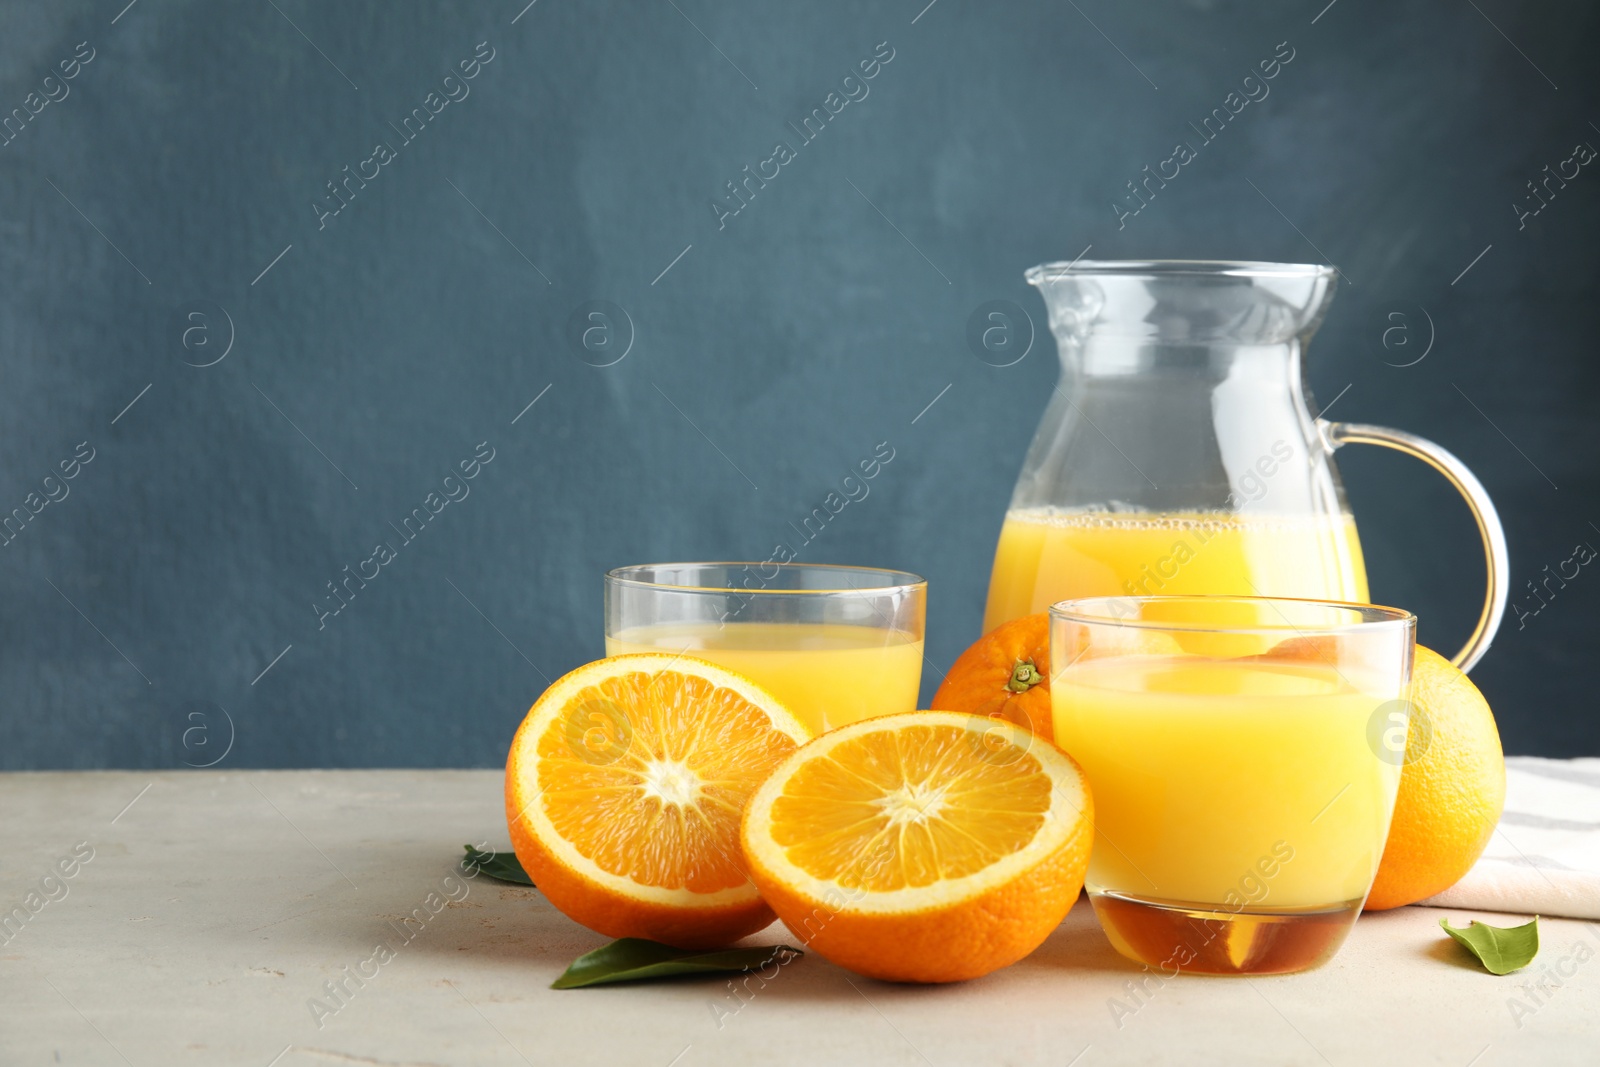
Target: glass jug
{"points": [[1178, 454]]}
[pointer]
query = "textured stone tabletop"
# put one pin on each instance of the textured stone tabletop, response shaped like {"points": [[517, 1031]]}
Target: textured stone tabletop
{"points": [[206, 914]]}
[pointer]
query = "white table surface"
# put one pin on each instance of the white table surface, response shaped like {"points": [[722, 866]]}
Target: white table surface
{"points": [[217, 905]]}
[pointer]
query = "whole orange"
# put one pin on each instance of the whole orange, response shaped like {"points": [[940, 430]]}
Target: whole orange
{"points": [[1005, 674], [1452, 787]]}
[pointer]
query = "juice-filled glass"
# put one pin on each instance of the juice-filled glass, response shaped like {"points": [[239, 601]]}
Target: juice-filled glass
{"points": [[833, 643], [1244, 754]]}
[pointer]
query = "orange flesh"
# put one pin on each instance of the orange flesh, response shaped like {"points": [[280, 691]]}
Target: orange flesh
{"points": [[909, 807], [648, 776]]}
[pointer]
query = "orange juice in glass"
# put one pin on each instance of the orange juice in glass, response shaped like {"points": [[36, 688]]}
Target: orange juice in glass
{"points": [[1244, 754], [835, 644]]}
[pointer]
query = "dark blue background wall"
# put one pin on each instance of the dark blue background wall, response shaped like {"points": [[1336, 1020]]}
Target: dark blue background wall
{"points": [[372, 350]]}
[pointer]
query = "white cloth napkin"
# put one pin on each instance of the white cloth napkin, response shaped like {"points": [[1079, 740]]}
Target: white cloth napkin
{"points": [[1544, 858]]}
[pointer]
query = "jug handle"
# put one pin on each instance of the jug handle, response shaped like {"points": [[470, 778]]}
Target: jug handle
{"points": [[1498, 559]]}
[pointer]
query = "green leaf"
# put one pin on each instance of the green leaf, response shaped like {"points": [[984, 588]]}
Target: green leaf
{"points": [[1500, 949], [633, 959], [498, 865]]}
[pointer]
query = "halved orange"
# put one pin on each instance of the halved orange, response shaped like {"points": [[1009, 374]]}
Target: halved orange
{"points": [[928, 846], [624, 789]]}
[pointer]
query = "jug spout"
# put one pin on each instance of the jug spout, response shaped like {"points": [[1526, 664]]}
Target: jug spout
{"points": [[1114, 309]]}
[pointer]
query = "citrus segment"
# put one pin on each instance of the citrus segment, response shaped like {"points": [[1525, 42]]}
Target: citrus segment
{"points": [[946, 818], [624, 789], [923, 847]]}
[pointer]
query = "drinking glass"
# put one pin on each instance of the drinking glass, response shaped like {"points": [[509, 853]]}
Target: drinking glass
{"points": [[1244, 754], [833, 643]]}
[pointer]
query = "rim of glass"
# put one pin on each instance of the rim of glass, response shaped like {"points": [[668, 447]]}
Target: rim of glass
{"points": [[898, 581], [1229, 268], [1082, 610]]}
